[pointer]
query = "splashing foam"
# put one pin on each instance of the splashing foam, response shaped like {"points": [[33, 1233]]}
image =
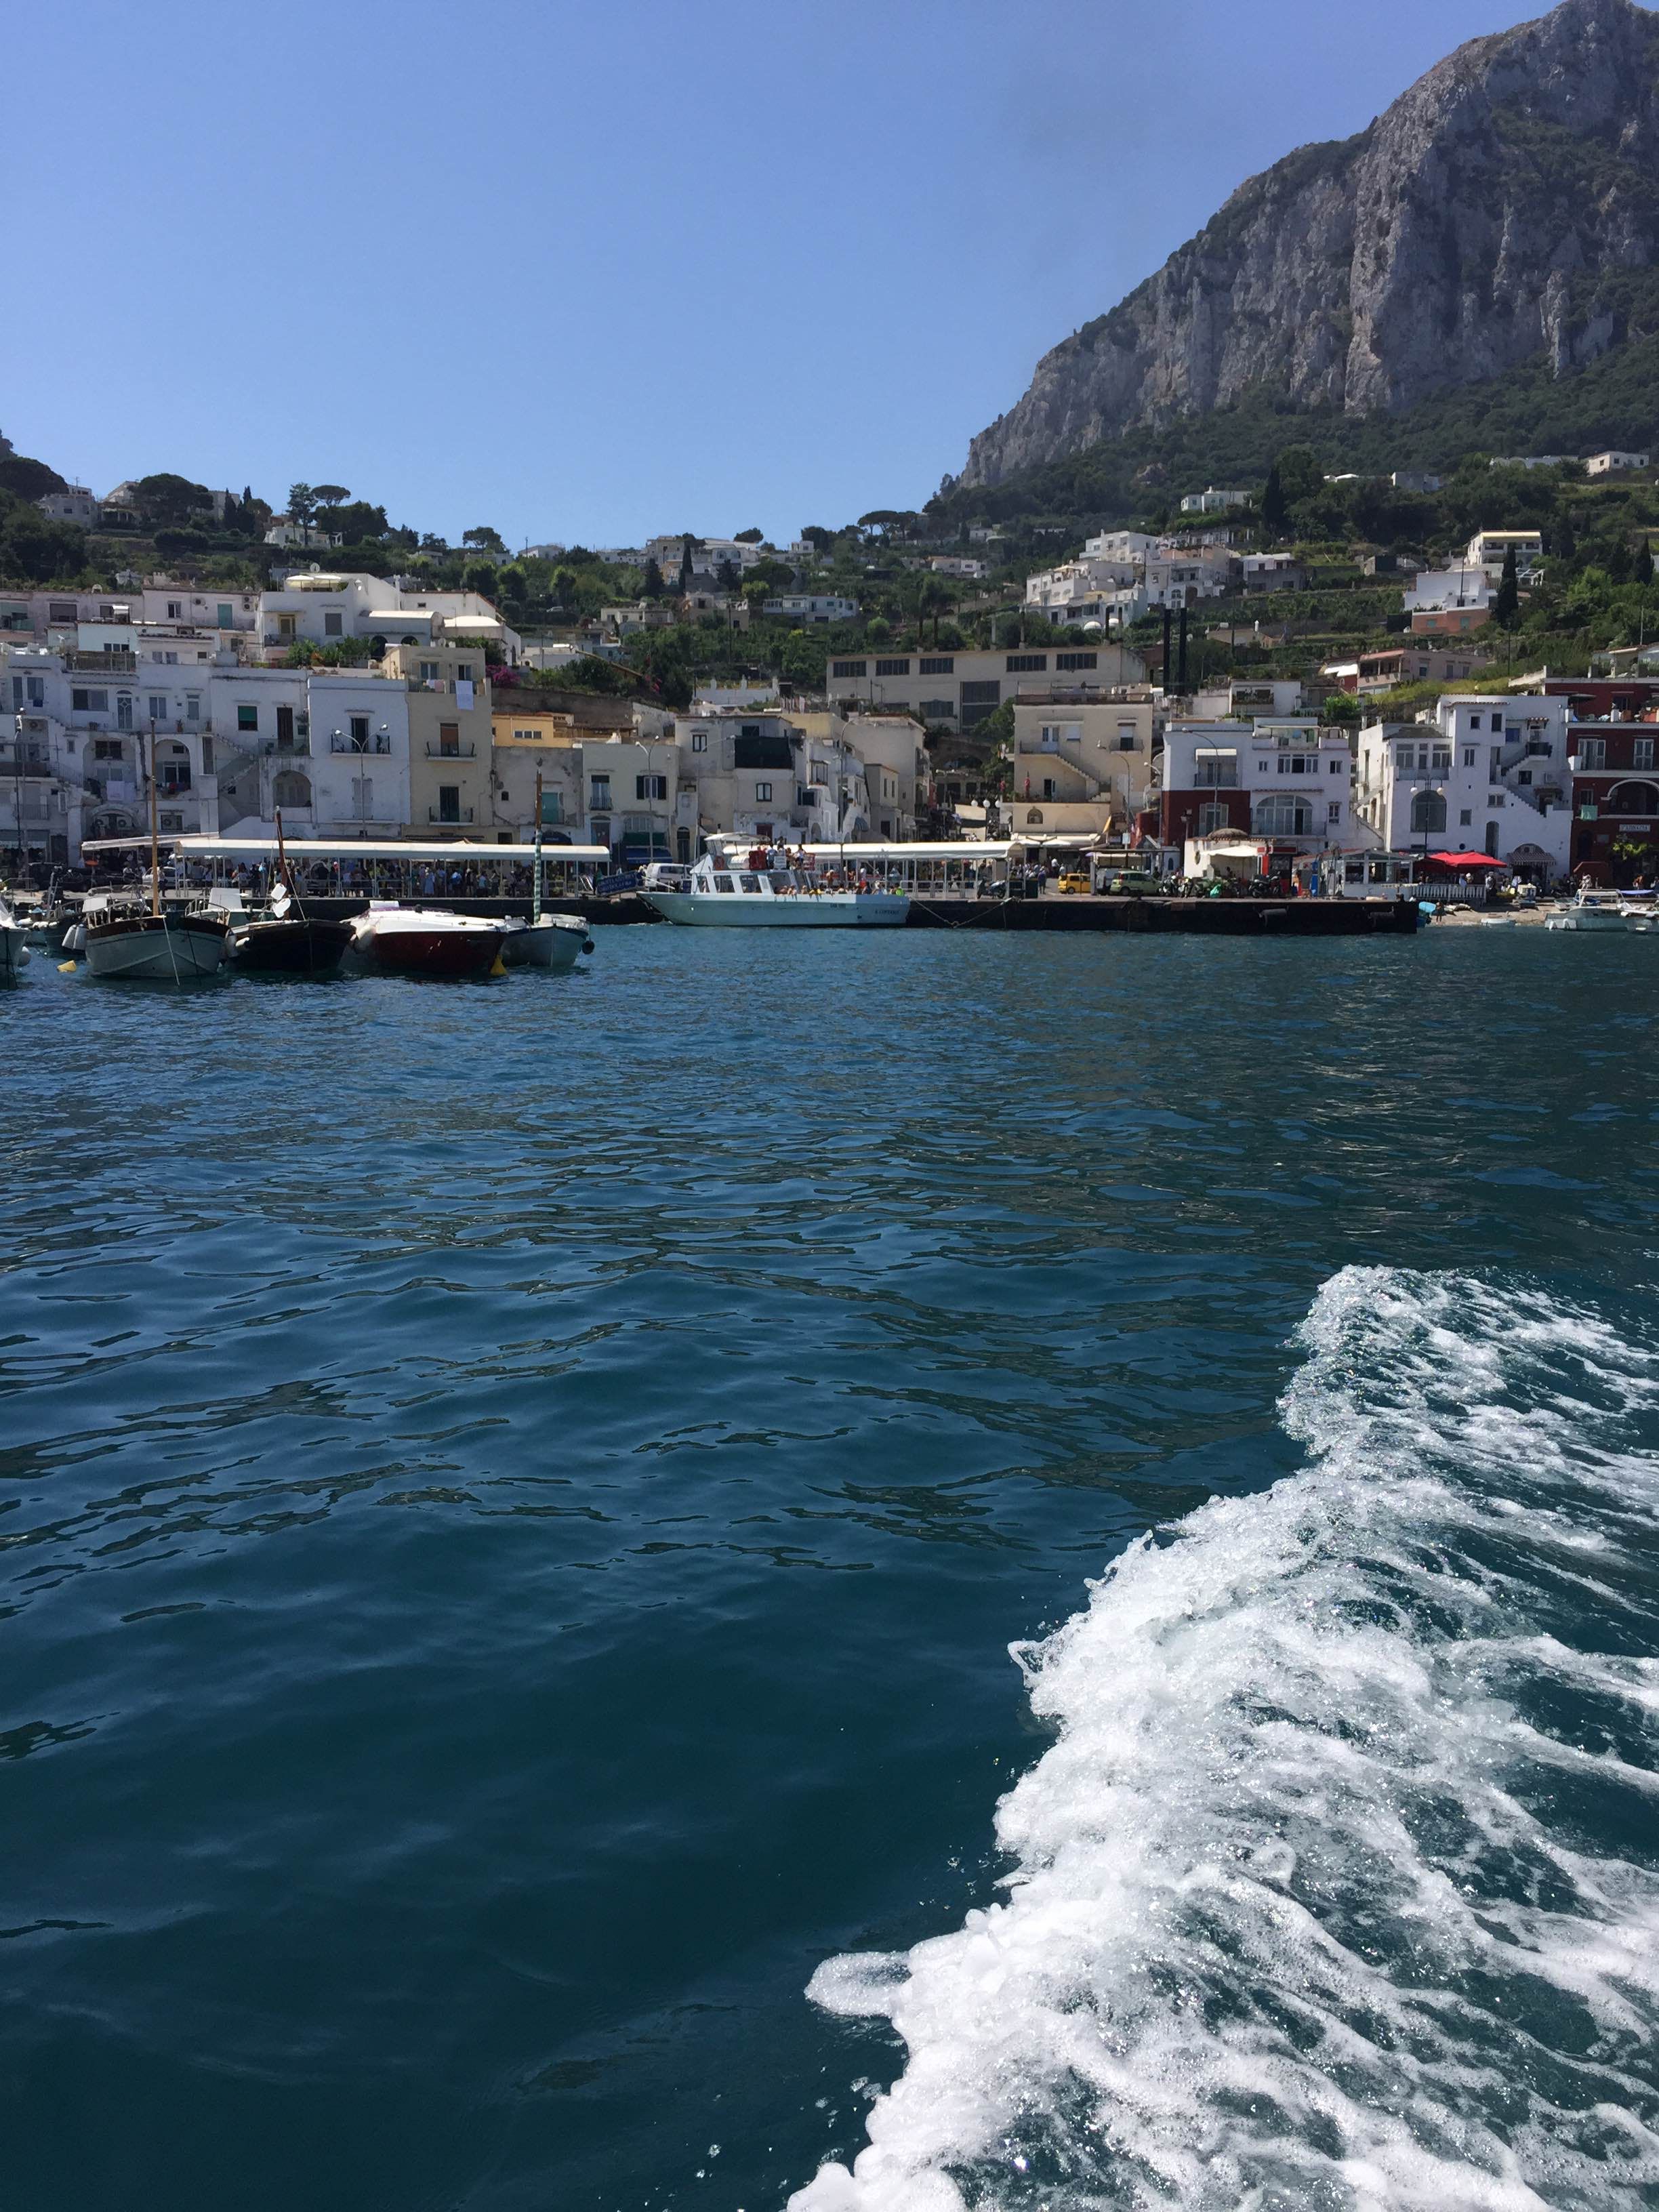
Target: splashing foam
{"points": [[1315, 1904]]}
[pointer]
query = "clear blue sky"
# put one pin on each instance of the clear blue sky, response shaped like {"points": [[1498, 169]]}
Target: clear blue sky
{"points": [[587, 272]]}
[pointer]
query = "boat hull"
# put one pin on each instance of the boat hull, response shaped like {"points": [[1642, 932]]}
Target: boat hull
{"points": [[440, 953], [291, 946], [824, 910], [552, 945], [1608, 925], [153, 949], [14, 953]]}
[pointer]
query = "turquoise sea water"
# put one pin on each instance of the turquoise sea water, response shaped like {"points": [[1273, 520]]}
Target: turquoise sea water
{"points": [[515, 1502]]}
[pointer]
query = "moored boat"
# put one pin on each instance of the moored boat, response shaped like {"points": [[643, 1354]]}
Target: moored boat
{"points": [[1599, 911], [764, 889], [553, 942], [14, 951], [398, 940], [125, 942]]}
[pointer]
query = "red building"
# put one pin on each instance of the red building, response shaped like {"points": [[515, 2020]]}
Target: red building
{"points": [[1615, 800]]}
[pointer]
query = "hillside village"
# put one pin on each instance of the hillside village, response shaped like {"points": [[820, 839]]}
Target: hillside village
{"points": [[1418, 648]]}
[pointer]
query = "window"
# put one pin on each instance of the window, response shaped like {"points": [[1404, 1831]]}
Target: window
{"points": [[226, 614], [247, 718], [1592, 752], [449, 740], [290, 789], [1283, 815], [750, 883], [1642, 753], [762, 794], [1128, 737], [1428, 812], [552, 806], [285, 729], [1475, 721], [722, 883], [1210, 818], [332, 624], [192, 706], [699, 741], [1071, 660], [1466, 819], [207, 755], [90, 703], [360, 733], [110, 749], [60, 610], [936, 664], [1333, 810], [449, 802], [155, 707], [849, 668], [651, 786], [936, 710], [979, 700], [1047, 787], [463, 671], [1340, 767], [1026, 663], [175, 609], [599, 792], [1468, 756], [892, 668], [429, 672]]}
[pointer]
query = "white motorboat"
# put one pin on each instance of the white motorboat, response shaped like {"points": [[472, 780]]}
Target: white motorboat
{"points": [[14, 953], [403, 940], [1601, 911], [759, 889], [1641, 913], [553, 942], [136, 944]]}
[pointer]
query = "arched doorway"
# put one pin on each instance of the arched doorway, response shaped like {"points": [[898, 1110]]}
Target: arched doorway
{"points": [[1428, 812]]}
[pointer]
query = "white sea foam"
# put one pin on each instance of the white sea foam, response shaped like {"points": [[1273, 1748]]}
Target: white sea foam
{"points": [[1319, 1901]]}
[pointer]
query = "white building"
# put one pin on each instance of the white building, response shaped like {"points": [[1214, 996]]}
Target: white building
{"points": [[302, 537], [810, 607], [1484, 774], [1441, 591], [1181, 579], [323, 608], [329, 746], [1489, 549], [706, 553], [1609, 464], [956, 564], [1285, 783], [1211, 501], [1134, 546], [75, 505]]}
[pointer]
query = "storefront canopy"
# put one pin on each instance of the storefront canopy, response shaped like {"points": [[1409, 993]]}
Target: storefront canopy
{"points": [[1463, 860]]}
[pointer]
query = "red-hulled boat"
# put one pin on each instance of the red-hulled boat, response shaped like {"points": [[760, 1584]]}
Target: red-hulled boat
{"points": [[398, 940]]}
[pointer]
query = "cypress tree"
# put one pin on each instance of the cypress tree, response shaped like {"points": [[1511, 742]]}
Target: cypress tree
{"points": [[1275, 508], [1642, 573], [1507, 604]]}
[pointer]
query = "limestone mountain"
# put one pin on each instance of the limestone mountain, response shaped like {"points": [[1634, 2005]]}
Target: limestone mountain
{"points": [[1504, 209]]}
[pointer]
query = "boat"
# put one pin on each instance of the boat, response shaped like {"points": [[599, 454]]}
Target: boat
{"points": [[14, 953], [764, 889], [1641, 913], [401, 940], [553, 942], [1595, 910], [124, 939], [546, 940], [285, 940], [139, 945]]}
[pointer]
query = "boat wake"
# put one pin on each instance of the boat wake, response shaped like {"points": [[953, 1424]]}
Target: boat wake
{"points": [[1339, 1886]]}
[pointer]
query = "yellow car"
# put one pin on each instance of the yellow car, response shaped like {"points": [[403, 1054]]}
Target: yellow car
{"points": [[1073, 881]]}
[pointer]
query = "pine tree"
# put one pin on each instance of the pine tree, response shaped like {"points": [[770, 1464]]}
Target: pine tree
{"points": [[1507, 605]]}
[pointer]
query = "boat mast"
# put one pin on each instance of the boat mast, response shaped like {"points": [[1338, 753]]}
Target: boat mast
{"points": [[535, 878], [155, 842]]}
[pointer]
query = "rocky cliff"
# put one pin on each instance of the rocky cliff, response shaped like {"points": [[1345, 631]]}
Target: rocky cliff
{"points": [[1506, 205]]}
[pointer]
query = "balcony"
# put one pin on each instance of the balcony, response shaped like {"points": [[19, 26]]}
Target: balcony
{"points": [[442, 751], [453, 817], [25, 764], [337, 743], [122, 663]]}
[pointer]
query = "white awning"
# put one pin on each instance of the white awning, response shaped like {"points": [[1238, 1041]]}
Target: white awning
{"points": [[192, 847]]}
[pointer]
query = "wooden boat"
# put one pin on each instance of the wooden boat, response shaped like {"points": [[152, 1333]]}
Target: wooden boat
{"points": [[124, 941], [285, 940], [546, 940]]}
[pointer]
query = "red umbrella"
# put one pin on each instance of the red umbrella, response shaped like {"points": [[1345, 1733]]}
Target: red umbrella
{"points": [[1463, 860]]}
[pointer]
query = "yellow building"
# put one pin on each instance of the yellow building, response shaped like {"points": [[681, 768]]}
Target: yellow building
{"points": [[450, 741]]}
